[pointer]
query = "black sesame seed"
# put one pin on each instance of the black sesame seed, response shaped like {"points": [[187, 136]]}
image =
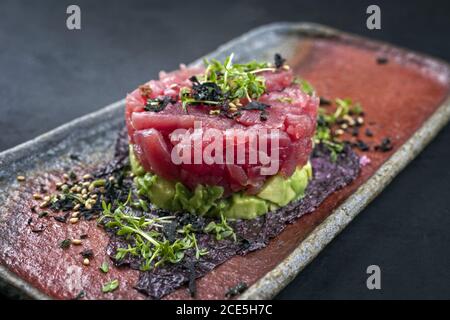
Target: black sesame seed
{"points": [[382, 60], [361, 145], [324, 101], [62, 219], [88, 253], [369, 132], [279, 60]]}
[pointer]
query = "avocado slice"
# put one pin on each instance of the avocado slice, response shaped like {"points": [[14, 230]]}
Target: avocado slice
{"points": [[207, 200]]}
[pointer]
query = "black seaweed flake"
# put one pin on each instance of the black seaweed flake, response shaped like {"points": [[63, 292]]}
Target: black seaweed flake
{"points": [[279, 60], [236, 290], [369, 132], [259, 106], [385, 146], [324, 101], [382, 60], [191, 276], [74, 157], [170, 231], [361, 145], [43, 214], [206, 91], [80, 295], [88, 253], [62, 219], [158, 104]]}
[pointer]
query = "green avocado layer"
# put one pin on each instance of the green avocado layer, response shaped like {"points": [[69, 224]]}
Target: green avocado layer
{"points": [[207, 200]]}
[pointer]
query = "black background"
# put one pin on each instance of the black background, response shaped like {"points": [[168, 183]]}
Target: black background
{"points": [[50, 75]]}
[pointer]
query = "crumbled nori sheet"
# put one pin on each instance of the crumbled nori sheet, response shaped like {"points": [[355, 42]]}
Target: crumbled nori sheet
{"points": [[252, 235]]}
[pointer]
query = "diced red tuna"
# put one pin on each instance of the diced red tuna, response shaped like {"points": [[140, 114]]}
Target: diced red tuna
{"points": [[154, 135]]}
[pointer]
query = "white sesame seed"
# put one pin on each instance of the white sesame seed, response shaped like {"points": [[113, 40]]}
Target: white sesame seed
{"points": [[20, 178], [86, 261], [73, 220], [76, 241], [43, 204], [37, 196]]}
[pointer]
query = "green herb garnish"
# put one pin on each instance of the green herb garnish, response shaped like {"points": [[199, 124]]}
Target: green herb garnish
{"points": [[327, 120], [104, 267], [221, 230], [305, 86], [149, 242], [65, 244], [110, 286], [227, 81]]}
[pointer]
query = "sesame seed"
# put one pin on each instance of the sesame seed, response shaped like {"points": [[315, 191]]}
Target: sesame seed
{"points": [[76, 241], [75, 214], [66, 176], [78, 189], [339, 132], [350, 120], [344, 126], [37, 196], [87, 176], [47, 198], [286, 67], [77, 206], [360, 120], [84, 191], [91, 187], [20, 178], [59, 184], [73, 220], [131, 175], [43, 204], [88, 205], [94, 196], [84, 196], [111, 178], [86, 262], [86, 184]]}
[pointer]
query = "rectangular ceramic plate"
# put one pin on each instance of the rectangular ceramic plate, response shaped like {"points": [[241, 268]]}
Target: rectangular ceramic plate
{"points": [[405, 99]]}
